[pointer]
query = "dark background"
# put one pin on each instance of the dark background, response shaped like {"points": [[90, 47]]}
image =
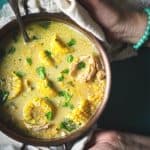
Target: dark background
{"points": [[128, 108]]}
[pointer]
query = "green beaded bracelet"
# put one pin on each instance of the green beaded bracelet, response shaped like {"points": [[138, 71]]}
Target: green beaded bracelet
{"points": [[146, 34]]}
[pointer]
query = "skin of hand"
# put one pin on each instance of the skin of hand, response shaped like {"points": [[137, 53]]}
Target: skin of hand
{"points": [[112, 140], [119, 25]]}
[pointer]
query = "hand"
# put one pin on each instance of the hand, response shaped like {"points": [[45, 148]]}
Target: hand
{"points": [[112, 140], [118, 24]]}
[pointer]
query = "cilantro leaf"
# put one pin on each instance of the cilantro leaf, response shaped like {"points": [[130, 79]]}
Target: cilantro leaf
{"points": [[70, 59], [81, 65], [41, 72], [65, 94], [60, 78], [68, 125], [44, 24], [49, 115], [29, 61], [3, 96], [68, 104], [65, 71], [11, 50], [71, 42], [20, 74], [48, 53]]}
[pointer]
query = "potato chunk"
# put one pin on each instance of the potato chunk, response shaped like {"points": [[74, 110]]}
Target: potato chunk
{"points": [[37, 114], [46, 58], [14, 85], [45, 88], [58, 48], [82, 113]]}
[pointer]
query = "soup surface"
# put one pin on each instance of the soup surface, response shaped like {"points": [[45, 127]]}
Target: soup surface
{"points": [[51, 86]]}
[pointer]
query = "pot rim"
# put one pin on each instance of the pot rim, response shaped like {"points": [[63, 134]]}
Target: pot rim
{"points": [[83, 130]]}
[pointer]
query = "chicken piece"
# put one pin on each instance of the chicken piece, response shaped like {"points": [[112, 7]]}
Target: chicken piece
{"points": [[14, 86], [82, 113], [92, 65], [100, 75], [35, 114]]}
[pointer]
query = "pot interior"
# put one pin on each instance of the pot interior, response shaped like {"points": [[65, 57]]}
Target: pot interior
{"points": [[17, 134]]}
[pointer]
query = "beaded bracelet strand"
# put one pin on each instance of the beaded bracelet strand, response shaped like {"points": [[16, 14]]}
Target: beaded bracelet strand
{"points": [[146, 34]]}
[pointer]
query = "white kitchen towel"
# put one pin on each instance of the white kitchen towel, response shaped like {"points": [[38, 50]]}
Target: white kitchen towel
{"points": [[77, 13]]}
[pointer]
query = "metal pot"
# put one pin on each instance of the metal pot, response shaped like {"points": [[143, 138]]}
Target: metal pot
{"points": [[82, 131]]}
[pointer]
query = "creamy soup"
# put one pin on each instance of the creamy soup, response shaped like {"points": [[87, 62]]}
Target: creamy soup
{"points": [[51, 86]]}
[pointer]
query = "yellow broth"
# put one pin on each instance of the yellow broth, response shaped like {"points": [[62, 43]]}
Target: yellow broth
{"points": [[51, 86]]}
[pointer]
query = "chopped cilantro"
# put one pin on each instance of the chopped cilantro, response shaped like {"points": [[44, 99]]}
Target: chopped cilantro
{"points": [[41, 72], [50, 84], [29, 61], [70, 59], [3, 96], [49, 115], [81, 65], [65, 94], [20, 74], [68, 104], [61, 78], [44, 24], [48, 53], [65, 71], [71, 42], [68, 125], [34, 37], [11, 50]]}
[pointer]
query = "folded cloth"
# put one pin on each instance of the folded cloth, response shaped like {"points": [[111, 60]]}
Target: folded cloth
{"points": [[81, 16], [77, 13]]}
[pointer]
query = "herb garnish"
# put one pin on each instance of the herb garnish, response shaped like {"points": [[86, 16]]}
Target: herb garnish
{"points": [[60, 78], [70, 59], [3, 96], [11, 50], [71, 42], [44, 24], [68, 104], [50, 84], [81, 65], [65, 94], [49, 115], [29, 60], [41, 72], [68, 125], [34, 37], [20, 74], [48, 53], [65, 71]]}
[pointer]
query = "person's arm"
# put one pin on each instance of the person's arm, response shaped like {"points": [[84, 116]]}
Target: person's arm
{"points": [[111, 140], [118, 25]]}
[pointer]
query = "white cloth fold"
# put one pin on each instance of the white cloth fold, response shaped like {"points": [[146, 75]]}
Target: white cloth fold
{"points": [[77, 13]]}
